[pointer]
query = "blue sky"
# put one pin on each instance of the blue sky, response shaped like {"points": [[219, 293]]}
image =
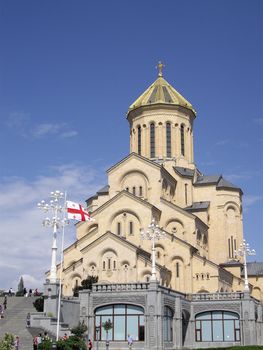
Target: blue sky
{"points": [[69, 71]]}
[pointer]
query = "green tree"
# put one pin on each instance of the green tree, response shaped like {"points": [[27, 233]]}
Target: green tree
{"points": [[85, 284], [107, 325], [6, 343], [20, 288], [79, 330], [39, 304]]}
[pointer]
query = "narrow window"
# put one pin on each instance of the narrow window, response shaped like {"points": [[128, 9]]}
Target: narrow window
{"points": [[127, 189], [139, 140], [229, 248], [185, 193], [131, 228], [158, 254], [168, 140], [104, 265], [152, 140], [182, 140], [177, 270], [114, 264], [118, 228], [109, 264], [134, 190], [140, 191], [232, 247]]}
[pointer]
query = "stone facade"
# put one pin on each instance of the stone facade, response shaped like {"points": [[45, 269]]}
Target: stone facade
{"points": [[201, 216]]}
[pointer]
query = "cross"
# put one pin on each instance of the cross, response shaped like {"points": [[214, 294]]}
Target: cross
{"points": [[80, 211], [160, 67]]}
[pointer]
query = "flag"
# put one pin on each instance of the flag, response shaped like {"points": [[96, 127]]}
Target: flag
{"points": [[76, 212]]}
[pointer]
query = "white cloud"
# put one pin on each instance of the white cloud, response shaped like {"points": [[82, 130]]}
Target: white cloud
{"points": [[25, 245], [67, 134]]}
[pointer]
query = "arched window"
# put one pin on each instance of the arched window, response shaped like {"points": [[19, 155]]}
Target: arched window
{"points": [[140, 191], [177, 267], [134, 190], [118, 228], [182, 140], [168, 324], [217, 326], [168, 140], [139, 140], [104, 265], [152, 140], [131, 228], [126, 319]]}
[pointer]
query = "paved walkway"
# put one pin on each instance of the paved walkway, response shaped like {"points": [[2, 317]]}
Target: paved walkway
{"points": [[14, 320]]}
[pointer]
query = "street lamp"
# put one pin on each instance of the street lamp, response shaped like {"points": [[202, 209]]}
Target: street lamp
{"points": [[244, 250], [55, 222], [153, 233]]}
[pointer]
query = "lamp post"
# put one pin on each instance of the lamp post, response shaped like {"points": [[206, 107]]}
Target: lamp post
{"points": [[245, 250], [55, 222], [152, 233]]}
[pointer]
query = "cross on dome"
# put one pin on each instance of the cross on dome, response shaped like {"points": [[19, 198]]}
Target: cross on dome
{"points": [[160, 67]]}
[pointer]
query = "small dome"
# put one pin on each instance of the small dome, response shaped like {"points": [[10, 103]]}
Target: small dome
{"points": [[161, 92]]}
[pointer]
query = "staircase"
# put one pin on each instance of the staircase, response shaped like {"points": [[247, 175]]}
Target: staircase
{"points": [[14, 320]]}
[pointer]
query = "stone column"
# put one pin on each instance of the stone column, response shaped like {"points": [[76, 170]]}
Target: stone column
{"points": [[152, 328], [51, 291], [248, 329]]}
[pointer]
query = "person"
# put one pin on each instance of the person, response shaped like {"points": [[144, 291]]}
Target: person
{"points": [[39, 338], [65, 337], [5, 302], [28, 320], [10, 292], [17, 343], [1, 311], [89, 344], [35, 342], [130, 341], [46, 337], [25, 292], [30, 292]]}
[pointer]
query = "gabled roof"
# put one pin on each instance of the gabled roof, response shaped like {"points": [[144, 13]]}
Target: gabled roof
{"points": [[254, 269], [104, 190], [135, 155], [198, 206], [129, 195], [161, 92], [185, 172], [218, 180]]}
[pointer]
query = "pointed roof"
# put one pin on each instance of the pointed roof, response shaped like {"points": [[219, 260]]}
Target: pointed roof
{"points": [[161, 92]]}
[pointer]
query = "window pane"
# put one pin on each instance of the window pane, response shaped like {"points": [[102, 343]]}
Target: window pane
{"points": [[132, 309], [204, 316], [230, 315], [103, 332], [229, 333], [217, 315], [206, 331], [141, 328], [104, 310], [217, 331], [119, 328], [132, 327], [119, 309]]}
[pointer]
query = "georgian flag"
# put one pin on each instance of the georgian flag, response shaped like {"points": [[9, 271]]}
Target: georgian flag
{"points": [[76, 212]]}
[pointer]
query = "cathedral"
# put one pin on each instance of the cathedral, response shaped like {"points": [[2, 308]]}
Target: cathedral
{"points": [[185, 289]]}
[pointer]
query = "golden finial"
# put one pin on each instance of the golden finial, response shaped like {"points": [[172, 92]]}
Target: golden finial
{"points": [[160, 67]]}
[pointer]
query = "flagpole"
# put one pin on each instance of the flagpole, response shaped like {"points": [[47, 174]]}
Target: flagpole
{"points": [[61, 264]]}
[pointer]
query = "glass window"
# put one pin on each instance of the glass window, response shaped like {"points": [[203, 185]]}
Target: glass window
{"points": [[177, 269], [140, 191], [126, 319], [168, 140], [168, 324], [217, 326], [152, 140], [134, 190], [139, 140]]}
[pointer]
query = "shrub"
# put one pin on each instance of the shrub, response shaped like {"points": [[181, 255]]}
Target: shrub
{"points": [[39, 304], [72, 343], [79, 330], [6, 343], [85, 284]]}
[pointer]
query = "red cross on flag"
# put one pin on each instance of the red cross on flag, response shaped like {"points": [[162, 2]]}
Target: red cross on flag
{"points": [[76, 212]]}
